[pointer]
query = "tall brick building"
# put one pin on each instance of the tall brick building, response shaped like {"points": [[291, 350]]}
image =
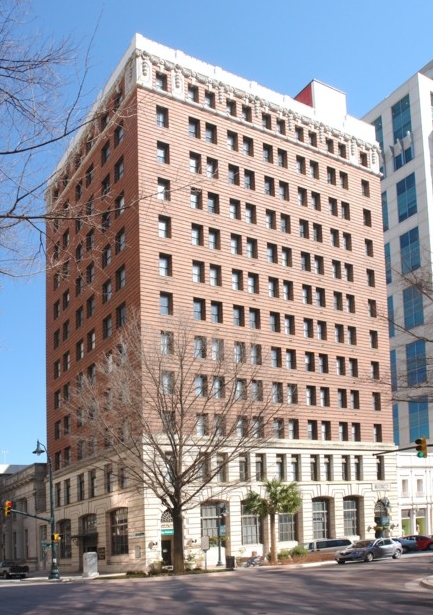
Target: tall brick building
{"points": [[201, 193]]}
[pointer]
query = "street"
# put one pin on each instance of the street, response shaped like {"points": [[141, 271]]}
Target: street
{"points": [[389, 586]]}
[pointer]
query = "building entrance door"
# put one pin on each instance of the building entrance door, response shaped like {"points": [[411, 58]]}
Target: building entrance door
{"points": [[166, 552]]}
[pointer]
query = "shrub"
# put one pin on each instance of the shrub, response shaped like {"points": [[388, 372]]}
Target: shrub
{"points": [[136, 573], [284, 554], [298, 551]]}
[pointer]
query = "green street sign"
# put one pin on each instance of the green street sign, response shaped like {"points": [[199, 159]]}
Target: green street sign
{"points": [[168, 532], [46, 545]]}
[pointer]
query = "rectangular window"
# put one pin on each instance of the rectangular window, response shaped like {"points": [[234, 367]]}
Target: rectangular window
{"points": [[416, 363], [215, 275], [237, 279], [161, 117], [199, 309], [120, 315], [256, 354], [233, 174], [254, 318], [253, 283], [214, 239], [238, 316], [285, 223], [274, 322], [213, 203], [410, 251], [249, 180], [119, 169], [107, 327], [161, 81], [235, 244], [163, 189], [232, 141], [194, 162], [269, 186], [194, 128], [210, 133], [211, 168], [251, 248], [165, 265], [198, 272], [196, 235], [365, 188], [344, 180], [282, 158], [166, 304], [164, 227], [273, 287], [286, 257], [234, 209], [250, 214], [192, 93], [248, 146], [315, 201], [195, 199], [216, 312], [413, 307]]}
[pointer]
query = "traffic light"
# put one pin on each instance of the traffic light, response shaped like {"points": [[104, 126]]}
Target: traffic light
{"points": [[55, 537], [7, 508], [421, 447]]}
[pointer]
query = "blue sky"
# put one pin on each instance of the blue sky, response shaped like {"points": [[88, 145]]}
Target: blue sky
{"points": [[281, 44]]}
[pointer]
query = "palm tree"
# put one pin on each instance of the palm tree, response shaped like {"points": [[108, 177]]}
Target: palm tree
{"points": [[279, 498]]}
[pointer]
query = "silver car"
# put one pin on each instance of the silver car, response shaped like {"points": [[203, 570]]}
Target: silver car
{"points": [[368, 550]]}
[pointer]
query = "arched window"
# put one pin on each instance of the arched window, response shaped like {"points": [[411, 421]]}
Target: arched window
{"points": [[119, 531]]}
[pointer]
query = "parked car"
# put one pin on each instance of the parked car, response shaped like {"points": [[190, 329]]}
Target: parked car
{"points": [[408, 543], [327, 544], [368, 550], [9, 570], [423, 542]]}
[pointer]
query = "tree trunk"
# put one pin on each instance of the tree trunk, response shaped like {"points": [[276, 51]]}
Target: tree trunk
{"points": [[273, 539], [178, 554]]}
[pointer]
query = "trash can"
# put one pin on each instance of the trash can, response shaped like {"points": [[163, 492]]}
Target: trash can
{"points": [[230, 562]]}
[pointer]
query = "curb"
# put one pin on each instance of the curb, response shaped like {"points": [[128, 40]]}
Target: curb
{"points": [[427, 583]]}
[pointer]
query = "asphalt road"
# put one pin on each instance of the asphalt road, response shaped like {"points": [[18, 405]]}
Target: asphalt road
{"points": [[381, 587]]}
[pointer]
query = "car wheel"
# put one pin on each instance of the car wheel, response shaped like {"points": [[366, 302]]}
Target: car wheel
{"points": [[397, 554], [430, 547], [369, 557], [5, 575], [405, 549]]}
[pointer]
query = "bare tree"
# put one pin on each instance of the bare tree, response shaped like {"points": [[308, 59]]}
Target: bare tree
{"points": [[39, 108], [173, 413], [411, 323]]}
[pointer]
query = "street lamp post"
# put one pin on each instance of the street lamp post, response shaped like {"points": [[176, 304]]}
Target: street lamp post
{"points": [[54, 571], [221, 510]]}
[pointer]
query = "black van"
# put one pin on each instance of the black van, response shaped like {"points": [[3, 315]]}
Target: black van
{"points": [[328, 544]]}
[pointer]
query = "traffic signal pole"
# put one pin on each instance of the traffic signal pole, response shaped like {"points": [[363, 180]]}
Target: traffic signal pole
{"points": [[406, 448]]}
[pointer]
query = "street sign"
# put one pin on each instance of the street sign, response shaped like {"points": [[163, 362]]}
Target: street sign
{"points": [[167, 532], [46, 545]]}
